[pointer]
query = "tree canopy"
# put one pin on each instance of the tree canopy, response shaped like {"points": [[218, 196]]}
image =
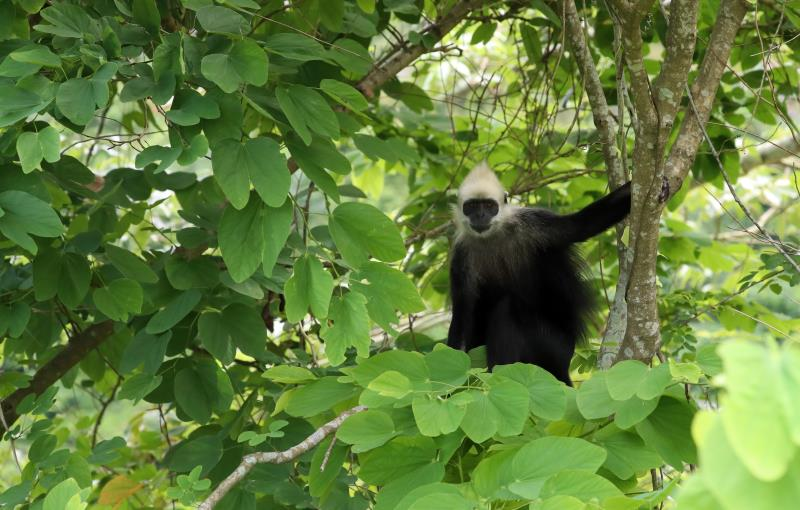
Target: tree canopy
{"points": [[224, 236]]}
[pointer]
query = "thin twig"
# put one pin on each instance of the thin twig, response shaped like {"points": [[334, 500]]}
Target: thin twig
{"points": [[103, 409]]}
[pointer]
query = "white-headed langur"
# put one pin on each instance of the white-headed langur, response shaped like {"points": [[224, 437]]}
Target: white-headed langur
{"points": [[516, 282]]}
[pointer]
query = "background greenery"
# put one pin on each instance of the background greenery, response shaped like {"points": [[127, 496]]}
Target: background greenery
{"points": [[222, 226]]}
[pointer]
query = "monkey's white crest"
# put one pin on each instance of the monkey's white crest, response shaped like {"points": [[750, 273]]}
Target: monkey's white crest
{"points": [[481, 182]]}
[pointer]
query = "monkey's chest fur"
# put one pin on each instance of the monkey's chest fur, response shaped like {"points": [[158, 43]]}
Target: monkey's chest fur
{"points": [[540, 283]]}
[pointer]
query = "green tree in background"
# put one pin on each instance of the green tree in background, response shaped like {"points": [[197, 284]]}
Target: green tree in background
{"points": [[224, 234]]}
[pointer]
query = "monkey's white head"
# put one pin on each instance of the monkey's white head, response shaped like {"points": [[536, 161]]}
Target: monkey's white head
{"points": [[481, 202]]}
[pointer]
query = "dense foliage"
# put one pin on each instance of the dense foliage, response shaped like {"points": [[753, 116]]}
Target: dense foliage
{"points": [[223, 224]]}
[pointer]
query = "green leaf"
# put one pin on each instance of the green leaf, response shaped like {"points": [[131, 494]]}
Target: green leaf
{"points": [[196, 273], [277, 227], [593, 399], [138, 386], [483, 33], [172, 314], [20, 314], [728, 482], [360, 230], [241, 239], [708, 359], [145, 13], [448, 367], [307, 111], [627, 454], [33, 147], [582, 485], [367, 6], [502, 410], [480, 421], [246, 328], [295, 47], [624, 378], [755, 380], [332, 14], [165, 155], [393, 492], [344, 94], [375, 148], [246, 62], [202, 388], [391, 384], [64, 496], [318, 396], [26, 215], [130, 265], [410, 364], [350, 327], [76, 100], [288, 374], [437, 417], [36, 54], [389, 291], [119, 299], [435, 496], [41, 447], [213, 334], [309, 286], [18, 104], [16, 495], [509, 399], [258, 160], [221, 20], [398, 457], [352, 56], [237, 326], [547, 396], [67, 275], [322, 153], [203, 451], [268, 171], [668, 431], [634, 410], [542, 458], [331, 457], [366, 430], [657, 380], [66, 20]]}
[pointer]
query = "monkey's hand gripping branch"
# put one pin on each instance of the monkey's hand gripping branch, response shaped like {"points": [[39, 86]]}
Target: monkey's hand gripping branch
{"points": [[250, 461]]}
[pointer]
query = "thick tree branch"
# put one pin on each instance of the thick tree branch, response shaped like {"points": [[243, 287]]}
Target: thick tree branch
{"points": [[629, 18], [603, 120], [78, 347], [679, 46], [250, 461], [653, 181], [703, 90], [407, 54]]}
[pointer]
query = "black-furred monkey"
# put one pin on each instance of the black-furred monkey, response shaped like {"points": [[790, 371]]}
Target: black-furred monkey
{"points": [[516, 283]]}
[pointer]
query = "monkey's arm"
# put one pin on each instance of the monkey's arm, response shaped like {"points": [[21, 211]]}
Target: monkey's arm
{"points": [[584, 224], [463, 305]]}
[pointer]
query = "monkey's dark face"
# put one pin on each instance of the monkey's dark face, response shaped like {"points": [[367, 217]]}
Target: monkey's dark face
{"points": [[480, 212]]}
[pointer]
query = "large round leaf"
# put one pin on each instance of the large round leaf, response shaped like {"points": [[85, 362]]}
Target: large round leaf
{"points": [[360, 230]]}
